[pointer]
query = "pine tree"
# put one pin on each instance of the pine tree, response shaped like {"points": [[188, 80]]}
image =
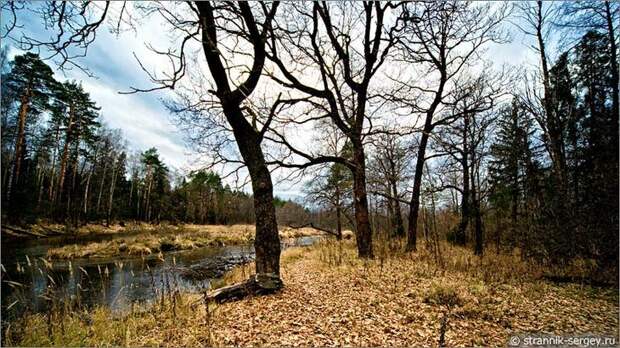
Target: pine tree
{"points": [[511, 164], [156, 184], [598, 165], [29, 84], [79, 118]]}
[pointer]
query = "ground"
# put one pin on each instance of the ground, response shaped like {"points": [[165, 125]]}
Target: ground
{"points": [[331, 298], [401, 303]]}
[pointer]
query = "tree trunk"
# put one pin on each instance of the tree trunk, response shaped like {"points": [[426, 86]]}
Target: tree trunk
{"points": [[461, 236], [53, 174], [338, 215], [338, 223], [147, 195], [40, 181], [20, 142], [390, 211], [90, 175], [65, 156], [72, 197], [554, 132], [398, 216], [414, 206], [130, 194], [87, 189], [105, 168], [267, 240], [479, 241], [478, 223], [475, 195], [364, 231], [614, 67], [111, 196], [259, 284]]}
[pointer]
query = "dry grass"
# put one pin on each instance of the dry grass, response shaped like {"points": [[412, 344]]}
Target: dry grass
{"points": [[92, 229], [333, 298], [163, 238], [173, 321]]}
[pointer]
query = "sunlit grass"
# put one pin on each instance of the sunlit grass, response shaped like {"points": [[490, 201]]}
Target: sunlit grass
{"points": [[472, 290], [150, 240]]}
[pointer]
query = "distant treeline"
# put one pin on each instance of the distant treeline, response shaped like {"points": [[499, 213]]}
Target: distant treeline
{"points": [[60, 163]]}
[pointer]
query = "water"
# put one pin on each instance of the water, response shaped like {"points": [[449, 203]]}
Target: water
{"points": [[31, 284]]}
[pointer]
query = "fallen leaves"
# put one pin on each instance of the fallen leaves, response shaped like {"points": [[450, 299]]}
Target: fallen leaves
{"points": [[364, 304], [333, 299]]}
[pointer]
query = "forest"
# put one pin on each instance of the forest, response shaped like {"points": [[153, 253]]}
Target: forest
{"points": [[455, 166], [62, 164]]}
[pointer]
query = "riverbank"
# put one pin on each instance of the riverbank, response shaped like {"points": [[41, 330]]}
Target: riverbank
{"points": [[163, 238], [333, 298]]}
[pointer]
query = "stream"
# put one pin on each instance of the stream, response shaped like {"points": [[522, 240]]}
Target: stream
{"points": [[30, 283]]}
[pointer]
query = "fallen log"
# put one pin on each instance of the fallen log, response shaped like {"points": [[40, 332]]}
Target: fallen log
{"points": [[53, 232], [258, 284], [577, 280], [310, 224], [22, 231]]}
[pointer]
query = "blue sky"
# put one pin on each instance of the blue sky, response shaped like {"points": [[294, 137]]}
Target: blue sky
{"points": [[143, 119]]}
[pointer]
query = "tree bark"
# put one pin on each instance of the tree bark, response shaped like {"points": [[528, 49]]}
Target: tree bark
{"points": [[614, 67], [338, 215], [364, 231], [256, 285], [267, 240], [414, 206], [554, 132], [72, 197], [65, 155], [478, 237], [20, 142], [40, 181], [87, 189], [461, 236], [398, 215], [105, 168], [111, 196], [53, 168]]}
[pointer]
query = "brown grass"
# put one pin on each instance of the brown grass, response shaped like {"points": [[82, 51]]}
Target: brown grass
{"points": [[163, 238], [333, 298]]}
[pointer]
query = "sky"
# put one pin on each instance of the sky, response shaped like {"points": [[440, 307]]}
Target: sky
{"points": [[142, 117]]}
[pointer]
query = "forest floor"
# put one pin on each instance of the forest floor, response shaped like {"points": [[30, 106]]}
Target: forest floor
{"points": [[143, 239], [331, 298]]}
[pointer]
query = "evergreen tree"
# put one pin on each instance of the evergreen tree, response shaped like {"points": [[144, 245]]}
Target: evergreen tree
{"points": [[598, 165], [29, 84], [510, 165]]}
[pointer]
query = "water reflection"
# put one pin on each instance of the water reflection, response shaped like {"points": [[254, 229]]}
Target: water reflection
{"points": [[32, 284]]}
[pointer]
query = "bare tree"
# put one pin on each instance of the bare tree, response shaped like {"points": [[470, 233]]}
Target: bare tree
{"points": [[461, 139], [441, 40], [388, 165], [204, 23], [318, 57]]}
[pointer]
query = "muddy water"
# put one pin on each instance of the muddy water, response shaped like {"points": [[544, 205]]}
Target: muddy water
{"points": [[32, 284]]}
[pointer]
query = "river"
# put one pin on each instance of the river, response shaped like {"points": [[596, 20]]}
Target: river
{"points": [[30, 283]]}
